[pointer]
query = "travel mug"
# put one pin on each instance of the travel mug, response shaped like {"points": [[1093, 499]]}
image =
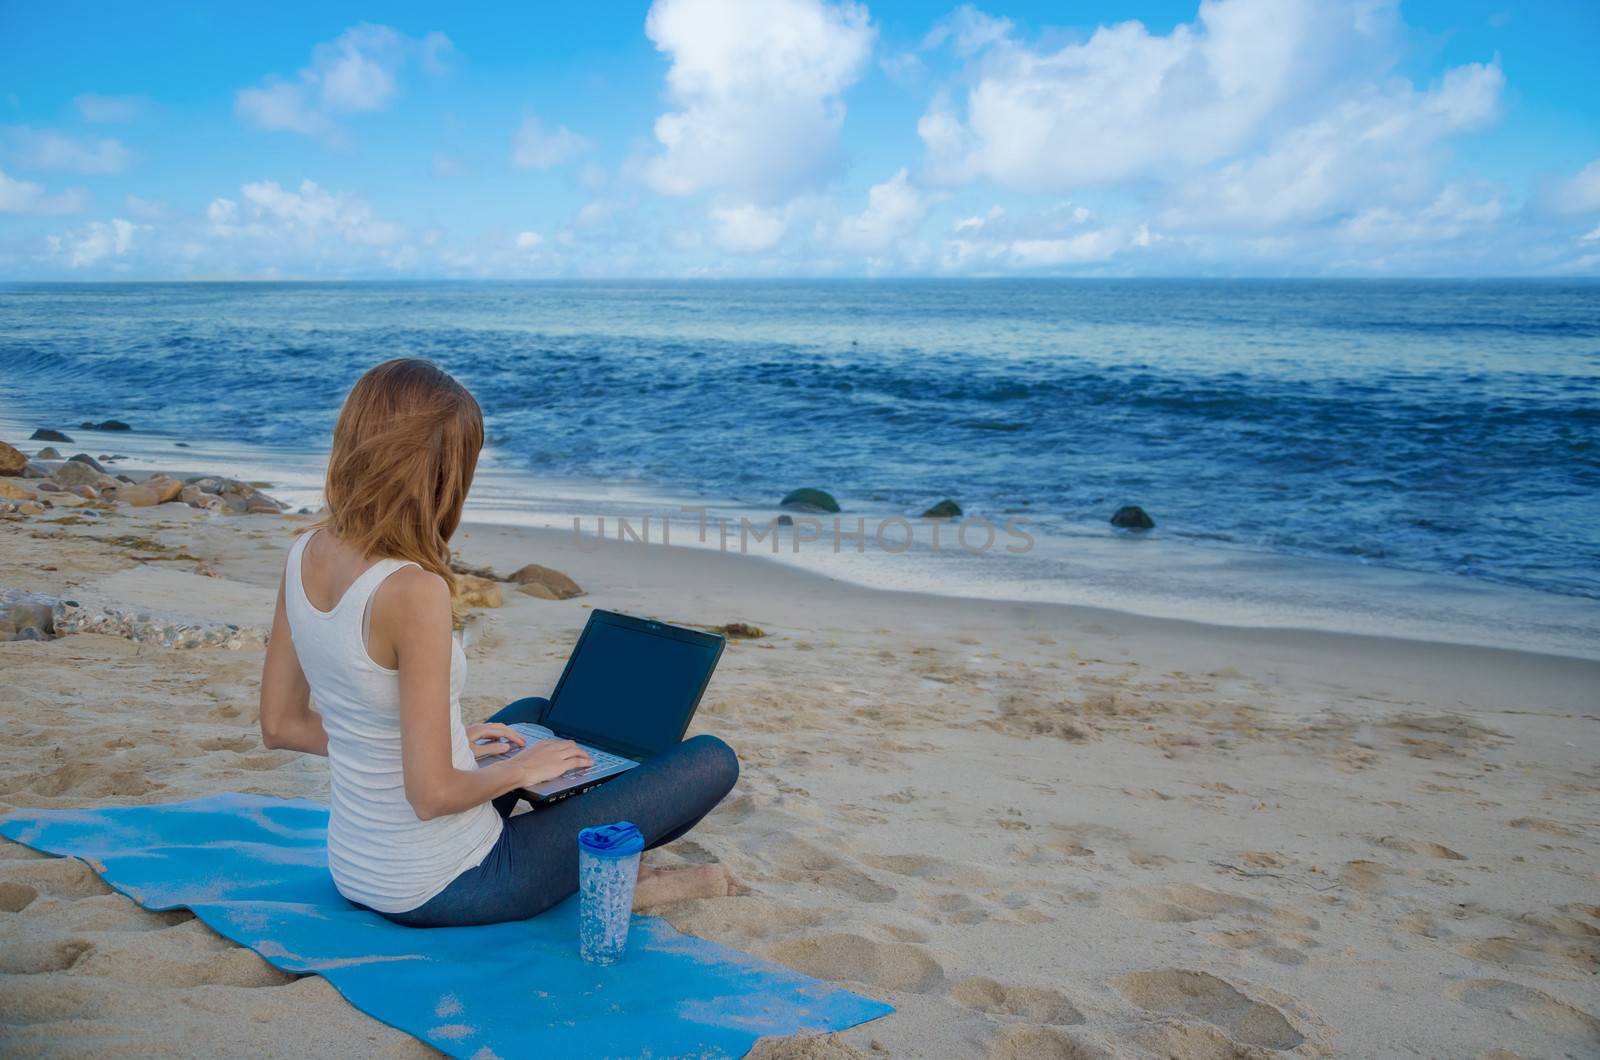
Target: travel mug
{"points": [[608, 867]]}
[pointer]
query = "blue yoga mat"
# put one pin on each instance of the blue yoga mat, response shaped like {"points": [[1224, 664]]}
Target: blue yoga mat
{"points": [[255, 870]]}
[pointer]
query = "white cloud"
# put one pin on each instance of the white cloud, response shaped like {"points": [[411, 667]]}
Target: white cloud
{"points": [[27, 197], [1129, 104], [535, 147], [595, 212], [94, 242], [967, 30], [528, 240], [1454, 212], [284, 106], [1580, 193], [1059, 238], [147, 209], [757, 86], [108, 110], [746, 228], [358, 71], [1382, 144], [47, 149], [307, 219], [893, 210]]}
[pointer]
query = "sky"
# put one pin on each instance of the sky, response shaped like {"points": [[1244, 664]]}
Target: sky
{"points": [[733, 138]]}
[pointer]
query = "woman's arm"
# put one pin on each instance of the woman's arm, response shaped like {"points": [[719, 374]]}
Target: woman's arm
{"points": [[411, 611], [287, 720]]}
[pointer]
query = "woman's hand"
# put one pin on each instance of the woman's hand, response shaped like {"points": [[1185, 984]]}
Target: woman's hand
{"points": [[502, 738], [546, 760]]}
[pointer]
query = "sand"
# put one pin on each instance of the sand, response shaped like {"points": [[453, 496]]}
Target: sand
{"points": [[1038, 831]]}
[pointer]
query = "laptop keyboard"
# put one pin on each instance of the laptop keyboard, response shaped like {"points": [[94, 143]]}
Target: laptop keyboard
{"points": [[602, 760]]}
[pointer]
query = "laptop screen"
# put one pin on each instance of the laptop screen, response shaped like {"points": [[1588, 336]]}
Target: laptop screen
{"points": [[632, 685]]}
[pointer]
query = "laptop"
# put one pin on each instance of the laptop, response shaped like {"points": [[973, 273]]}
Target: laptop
{"points": [[628, 691]]}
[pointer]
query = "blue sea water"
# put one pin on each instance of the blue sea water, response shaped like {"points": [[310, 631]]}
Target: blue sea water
{"points": [[1449, 429]]}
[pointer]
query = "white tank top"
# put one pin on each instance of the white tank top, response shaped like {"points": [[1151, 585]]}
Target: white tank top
{"points": [[380, 853]]}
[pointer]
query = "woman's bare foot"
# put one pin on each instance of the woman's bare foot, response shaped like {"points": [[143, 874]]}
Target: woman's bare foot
{"points": [[663, 886]]}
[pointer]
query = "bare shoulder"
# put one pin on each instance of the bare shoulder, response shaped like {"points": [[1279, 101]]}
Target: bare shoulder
{"points": [[415, 590]]}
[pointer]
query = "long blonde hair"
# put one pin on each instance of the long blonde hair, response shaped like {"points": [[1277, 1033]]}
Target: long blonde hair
{"points": [[404, 452]]}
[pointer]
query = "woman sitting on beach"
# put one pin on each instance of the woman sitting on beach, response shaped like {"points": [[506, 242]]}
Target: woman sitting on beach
{"points": [[417, 831]]}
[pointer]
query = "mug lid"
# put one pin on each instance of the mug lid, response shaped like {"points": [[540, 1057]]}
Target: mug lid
{"points": [[619, 840]]}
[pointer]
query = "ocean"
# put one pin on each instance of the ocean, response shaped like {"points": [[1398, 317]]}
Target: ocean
{"points": [[1410, 457]]}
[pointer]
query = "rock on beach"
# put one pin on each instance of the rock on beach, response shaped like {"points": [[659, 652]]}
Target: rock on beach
{"points": [[554, 585], [473, 591]]}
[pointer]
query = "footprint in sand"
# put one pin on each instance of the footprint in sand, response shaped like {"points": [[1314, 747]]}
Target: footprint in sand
{"points": [[93, 780], [1040, 1043], [15, 897], [741, 919], [1365, 877], [1178, 992], [802, 862], [1539, 824], [1180, 903], [1039, 1004], [889, 965], [931, 869], [230, 743], [187, 955], [1539, 940], [1268, 944], [1532, 1006], [58, 877], [1420, 846], [39, 958]]}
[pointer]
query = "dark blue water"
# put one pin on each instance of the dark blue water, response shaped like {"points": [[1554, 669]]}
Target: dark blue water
{"points": [[1438, 426]]}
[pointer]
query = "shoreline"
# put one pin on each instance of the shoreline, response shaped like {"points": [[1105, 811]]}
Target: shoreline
{"points": [[1154, 577], [1479, 667]]}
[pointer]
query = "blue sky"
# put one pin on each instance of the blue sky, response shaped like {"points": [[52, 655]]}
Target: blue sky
{"points": [[798, 137]]}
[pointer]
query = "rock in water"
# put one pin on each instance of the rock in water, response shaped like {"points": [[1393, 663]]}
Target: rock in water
{"points": [[49, 452], [808, 499], [12, 460], [45, 434], [561, 587], [785, 520], [472, 591], [1132, 517], [945, 509], [85, 458], [105, 425]]}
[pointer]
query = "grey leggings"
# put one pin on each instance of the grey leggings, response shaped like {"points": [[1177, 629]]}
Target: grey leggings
{"points": [[534, 864]]}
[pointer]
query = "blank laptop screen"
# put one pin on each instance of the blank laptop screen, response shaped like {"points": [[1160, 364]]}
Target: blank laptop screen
{"points": [[631, 688]]}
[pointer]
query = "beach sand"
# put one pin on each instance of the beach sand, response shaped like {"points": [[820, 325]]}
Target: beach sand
{"points": [[1038, 831]]}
